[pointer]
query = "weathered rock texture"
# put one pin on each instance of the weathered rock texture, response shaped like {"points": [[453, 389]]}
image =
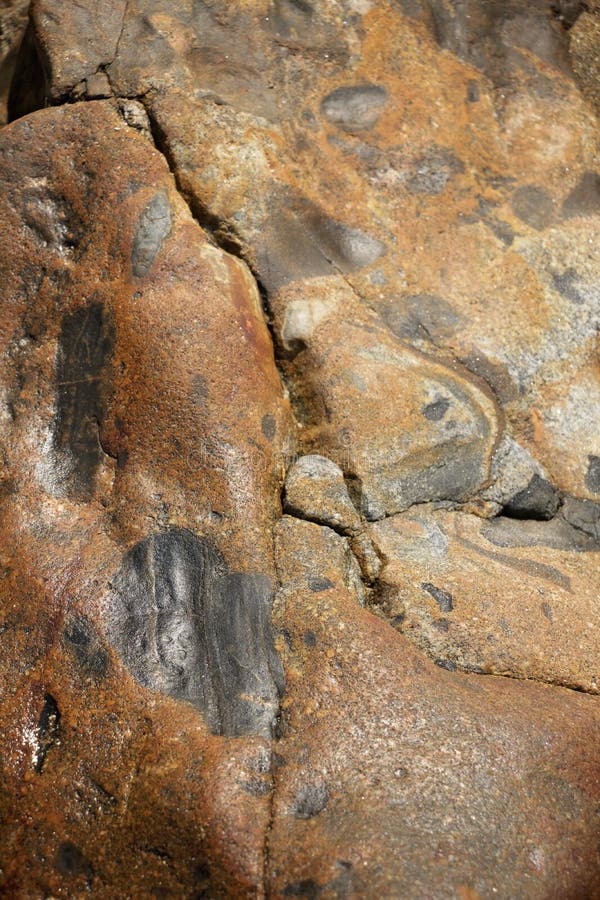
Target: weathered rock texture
{"points": [[299, 403], [397, 779], [584, 46], [508, 597], [13, 21]]}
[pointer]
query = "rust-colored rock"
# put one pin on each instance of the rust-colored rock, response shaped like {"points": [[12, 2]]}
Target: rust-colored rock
{"points": [[584, 47], [116, 343], [335, 261], [118, 425]]}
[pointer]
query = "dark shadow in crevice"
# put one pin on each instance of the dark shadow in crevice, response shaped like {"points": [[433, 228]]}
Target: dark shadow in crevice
{"points": [[29, 84]]}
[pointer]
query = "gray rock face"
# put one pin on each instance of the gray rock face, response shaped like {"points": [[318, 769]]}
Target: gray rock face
{"points": [[584, 515], [187, 627], [354, 108], [519, 483], [299, 240], [539, 500], [83, 378], [153, 227]]}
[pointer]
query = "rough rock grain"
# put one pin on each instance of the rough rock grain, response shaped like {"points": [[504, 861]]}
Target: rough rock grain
{"points": [[119, 432], [506, 597], [403, 771], [315, 490], [584, 47], [336, 260]]}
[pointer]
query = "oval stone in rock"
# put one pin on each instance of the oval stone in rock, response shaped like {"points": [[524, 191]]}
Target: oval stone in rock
{"points": [[186, 626], [354, 107], [153, 226]]}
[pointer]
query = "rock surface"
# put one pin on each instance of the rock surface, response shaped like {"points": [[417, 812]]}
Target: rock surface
{"points": [[393, 776], [506, 597], [299, 393], [584, 46], [13, 22], [315, 490], [122, 442]]}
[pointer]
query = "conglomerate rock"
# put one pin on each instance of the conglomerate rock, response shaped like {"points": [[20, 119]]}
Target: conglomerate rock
{"points": [[439, 159], [299, 397]]}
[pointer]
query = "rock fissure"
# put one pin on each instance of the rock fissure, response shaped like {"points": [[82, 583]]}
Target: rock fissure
{"points": [[556, 684], [223, 237], [211, 224], [119, 39]]}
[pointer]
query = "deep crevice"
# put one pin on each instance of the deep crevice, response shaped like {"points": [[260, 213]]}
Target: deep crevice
{"points": [[351, 535], [28, 89], [119, 39], [295, 513], [270, 824], [222, 235], [229, 242], [567, 12]]}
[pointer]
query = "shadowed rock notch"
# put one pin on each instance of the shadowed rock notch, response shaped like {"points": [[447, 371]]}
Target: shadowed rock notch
{"points": [[186, 626], [82, 374]]}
